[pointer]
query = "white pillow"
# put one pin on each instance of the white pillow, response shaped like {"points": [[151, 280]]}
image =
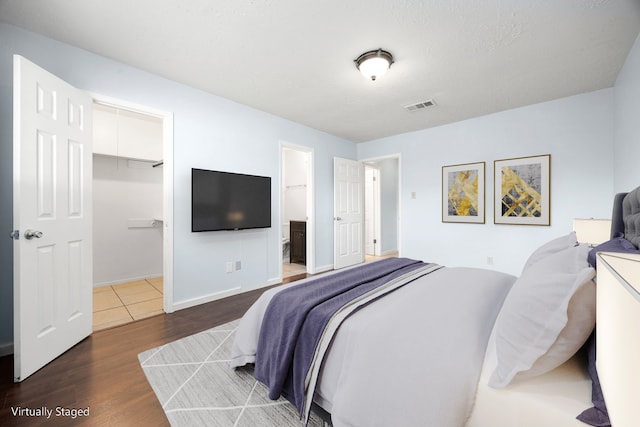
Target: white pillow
{"points": [[533, 331], [551, 247], [581, 315]]}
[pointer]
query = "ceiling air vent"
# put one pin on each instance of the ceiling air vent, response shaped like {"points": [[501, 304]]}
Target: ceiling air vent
{"points": [[420, 105]]}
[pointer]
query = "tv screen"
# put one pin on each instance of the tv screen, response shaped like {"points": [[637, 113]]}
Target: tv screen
{"points": [[229, 201]]}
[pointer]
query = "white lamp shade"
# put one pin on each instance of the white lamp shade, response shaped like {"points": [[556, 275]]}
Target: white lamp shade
{"points": [[374, 63], [374, 67], [592, 231]]}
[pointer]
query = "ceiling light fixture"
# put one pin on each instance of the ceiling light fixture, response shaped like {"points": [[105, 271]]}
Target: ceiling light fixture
{"points": [[374, 63]]}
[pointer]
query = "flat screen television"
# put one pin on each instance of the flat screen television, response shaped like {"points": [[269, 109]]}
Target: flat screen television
{"points": [[229, 201]]}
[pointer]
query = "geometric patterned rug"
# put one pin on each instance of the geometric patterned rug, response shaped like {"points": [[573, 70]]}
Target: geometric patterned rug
{"points": [[195, 385]]}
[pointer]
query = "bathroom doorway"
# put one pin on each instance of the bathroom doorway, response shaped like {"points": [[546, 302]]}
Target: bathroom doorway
{"points": [[296, 218]]}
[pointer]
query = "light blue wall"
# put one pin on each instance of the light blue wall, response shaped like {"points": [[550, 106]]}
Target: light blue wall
{"points": [[627, 119], [209, 132], [389, 198], [576, 131]]}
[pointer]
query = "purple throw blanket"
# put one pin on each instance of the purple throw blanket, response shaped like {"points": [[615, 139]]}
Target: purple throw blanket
{"points": [[296, 317]]}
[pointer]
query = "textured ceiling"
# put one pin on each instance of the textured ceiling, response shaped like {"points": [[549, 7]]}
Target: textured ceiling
{"points": [[294, 58]]}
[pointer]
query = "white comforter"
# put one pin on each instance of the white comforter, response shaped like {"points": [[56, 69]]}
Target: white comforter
{"points": [[411, 359]]}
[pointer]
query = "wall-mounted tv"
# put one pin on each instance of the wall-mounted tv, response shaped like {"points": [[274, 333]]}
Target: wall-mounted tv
{"points": [[229, 201]]}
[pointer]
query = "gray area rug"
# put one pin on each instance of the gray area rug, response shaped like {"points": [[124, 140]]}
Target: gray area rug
{"points": [[196, 386]]}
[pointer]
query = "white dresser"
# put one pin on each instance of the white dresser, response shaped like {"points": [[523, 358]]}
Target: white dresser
{"points": [[618, 336]]}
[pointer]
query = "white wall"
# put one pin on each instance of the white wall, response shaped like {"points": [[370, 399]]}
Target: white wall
{"points": [[627, 119], [125, 190], [576, 131], [209, 132]]}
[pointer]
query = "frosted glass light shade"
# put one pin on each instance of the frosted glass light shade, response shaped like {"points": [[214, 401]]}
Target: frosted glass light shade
{"points": [[374, 63]]}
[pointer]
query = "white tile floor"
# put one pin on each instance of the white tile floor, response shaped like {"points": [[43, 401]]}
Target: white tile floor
{"points": [[292, 269], [125, 302]]}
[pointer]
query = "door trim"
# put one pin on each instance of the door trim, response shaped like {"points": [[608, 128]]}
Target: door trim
{"points": [[167, 186]]}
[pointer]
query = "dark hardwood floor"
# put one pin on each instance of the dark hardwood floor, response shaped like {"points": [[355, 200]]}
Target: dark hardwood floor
{"points": [[102, 372]]}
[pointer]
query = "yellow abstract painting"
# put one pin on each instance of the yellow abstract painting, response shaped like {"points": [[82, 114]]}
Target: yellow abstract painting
{"points": [[518, 197], [463, 193], [522, 190]]}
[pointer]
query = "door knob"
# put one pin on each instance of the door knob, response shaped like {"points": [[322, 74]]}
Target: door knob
{"points": [[30, 234], [338, 218]]}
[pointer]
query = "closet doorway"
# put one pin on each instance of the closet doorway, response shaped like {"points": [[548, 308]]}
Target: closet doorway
{"points": [[297, 207], [129, 220]]}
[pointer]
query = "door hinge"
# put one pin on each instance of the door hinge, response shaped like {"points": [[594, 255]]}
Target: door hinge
{"points": [[15, 234]]}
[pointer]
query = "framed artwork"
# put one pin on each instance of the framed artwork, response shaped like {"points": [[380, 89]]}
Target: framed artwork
{"points": [[522, 190], [463, 188]]}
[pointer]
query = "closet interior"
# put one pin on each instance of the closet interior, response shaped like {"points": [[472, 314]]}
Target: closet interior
{"points": [[127, 215]]}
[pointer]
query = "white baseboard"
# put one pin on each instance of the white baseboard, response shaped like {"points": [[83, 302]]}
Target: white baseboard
{"points": [[6, 349], [323, 269], [219, 295], [270, 282], [132, 279], [180, 305]]}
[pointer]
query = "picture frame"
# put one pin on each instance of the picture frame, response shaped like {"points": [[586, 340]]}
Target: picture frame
{"points": [[463, 193], [522, 190]]}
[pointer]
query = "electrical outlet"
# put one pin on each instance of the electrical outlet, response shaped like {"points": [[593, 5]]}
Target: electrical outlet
{"points": [[489, 260], [229, 267], [238, 265]]}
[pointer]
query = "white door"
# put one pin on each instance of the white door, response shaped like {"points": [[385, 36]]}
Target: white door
{"points": [[348, 208], [52, 167]]}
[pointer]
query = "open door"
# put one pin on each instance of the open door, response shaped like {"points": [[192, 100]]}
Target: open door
{"points": [[52, 157], [348, 207]]}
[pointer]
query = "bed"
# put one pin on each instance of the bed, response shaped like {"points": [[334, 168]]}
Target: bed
{"points": [[438, 346]]}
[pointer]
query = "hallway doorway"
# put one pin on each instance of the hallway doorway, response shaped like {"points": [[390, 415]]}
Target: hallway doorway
{"points": [[382, 206]]}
